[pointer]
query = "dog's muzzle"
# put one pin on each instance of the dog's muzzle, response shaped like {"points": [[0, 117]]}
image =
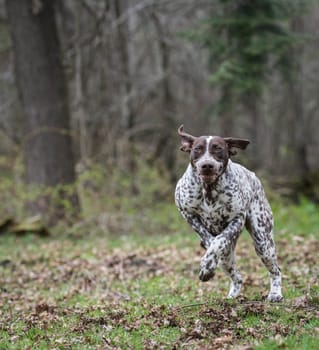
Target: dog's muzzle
{"points": [[208, 171]]}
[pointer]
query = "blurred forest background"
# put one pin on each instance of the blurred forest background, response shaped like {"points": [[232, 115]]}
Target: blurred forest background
{"points": [[92, 93]]}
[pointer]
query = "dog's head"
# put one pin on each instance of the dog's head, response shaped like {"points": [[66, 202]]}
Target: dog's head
{"points": [[209, 154]]}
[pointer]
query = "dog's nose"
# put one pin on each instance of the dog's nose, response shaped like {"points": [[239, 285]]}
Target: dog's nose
{"points": [[207, 166]]}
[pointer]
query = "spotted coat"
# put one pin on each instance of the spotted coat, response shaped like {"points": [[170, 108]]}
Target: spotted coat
{"points": [[218, 198]]}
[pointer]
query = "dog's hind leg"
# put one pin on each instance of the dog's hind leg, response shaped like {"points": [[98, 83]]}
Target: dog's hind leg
{"points": [[260, 227]]}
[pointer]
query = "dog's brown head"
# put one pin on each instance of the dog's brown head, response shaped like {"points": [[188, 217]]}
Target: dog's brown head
{"points": [[209, 154]]}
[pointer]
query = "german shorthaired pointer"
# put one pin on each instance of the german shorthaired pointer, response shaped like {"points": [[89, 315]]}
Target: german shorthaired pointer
{"points": [[218, 198]]}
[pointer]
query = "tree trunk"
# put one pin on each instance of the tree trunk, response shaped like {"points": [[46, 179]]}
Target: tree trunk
{"points": [[167, 138], [225, 111], [79, 113], [126, 88], [41, 85], [251, 105], [298, 137]]}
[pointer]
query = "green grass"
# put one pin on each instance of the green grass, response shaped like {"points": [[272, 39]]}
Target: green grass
{"points": [[301, 219], [91, 288]]}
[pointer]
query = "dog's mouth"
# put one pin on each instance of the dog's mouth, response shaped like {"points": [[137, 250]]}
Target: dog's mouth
{"points": [[208, 178]]}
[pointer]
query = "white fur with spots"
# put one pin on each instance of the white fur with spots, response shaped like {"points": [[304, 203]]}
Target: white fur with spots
{"points": [[218, 205]]}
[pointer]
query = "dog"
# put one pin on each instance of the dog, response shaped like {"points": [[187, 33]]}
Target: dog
{"points": [[218, 198]]}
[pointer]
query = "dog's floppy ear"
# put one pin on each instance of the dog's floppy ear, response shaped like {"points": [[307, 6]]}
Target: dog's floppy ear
{"points": [[186, 139], [237, 143]]}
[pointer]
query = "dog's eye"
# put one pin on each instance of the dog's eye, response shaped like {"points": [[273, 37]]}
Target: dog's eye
{"points": [[198, 149], [217, 148]]}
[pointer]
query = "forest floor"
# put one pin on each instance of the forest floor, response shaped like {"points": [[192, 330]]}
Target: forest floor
{"points": [[95, 290]]}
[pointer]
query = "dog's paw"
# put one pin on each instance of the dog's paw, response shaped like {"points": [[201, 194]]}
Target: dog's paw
{"points": [[275, 298], [207, 268], [205, 274]]}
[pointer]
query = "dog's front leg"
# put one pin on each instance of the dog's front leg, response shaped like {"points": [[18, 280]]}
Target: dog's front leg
{"points": [[206, 237], [221, 249]]}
